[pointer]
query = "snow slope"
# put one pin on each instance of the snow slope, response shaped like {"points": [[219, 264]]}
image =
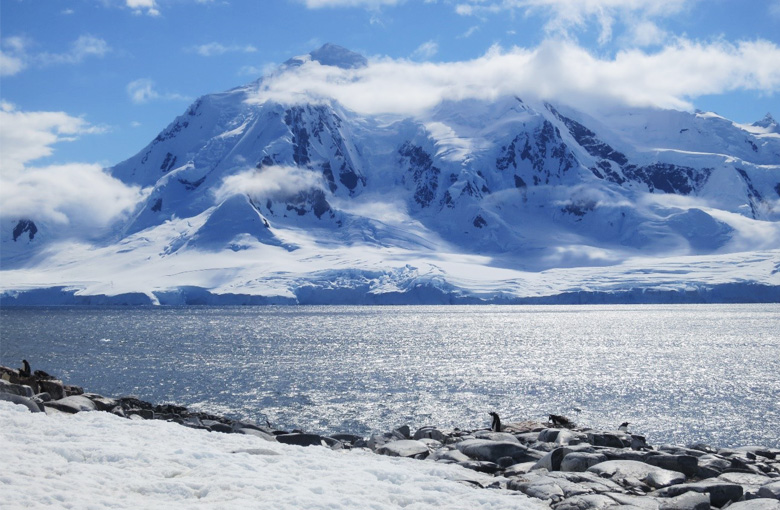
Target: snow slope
{"points": [[97, 460], [254, 199]]}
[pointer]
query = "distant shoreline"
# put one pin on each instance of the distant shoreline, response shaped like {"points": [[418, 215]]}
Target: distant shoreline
{"points": [[727, 293]]}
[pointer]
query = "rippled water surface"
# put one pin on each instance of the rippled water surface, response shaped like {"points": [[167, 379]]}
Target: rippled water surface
{"points": [[679, 373]]}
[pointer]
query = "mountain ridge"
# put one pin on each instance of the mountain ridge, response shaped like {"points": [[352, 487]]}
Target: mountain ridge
{"points": [[263, 199]]}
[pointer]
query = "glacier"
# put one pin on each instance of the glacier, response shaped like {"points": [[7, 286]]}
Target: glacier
{"points": [[253, 199]]}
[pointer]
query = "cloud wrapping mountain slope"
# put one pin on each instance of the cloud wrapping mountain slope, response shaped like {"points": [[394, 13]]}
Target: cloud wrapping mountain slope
{"points": [[474, 200]]}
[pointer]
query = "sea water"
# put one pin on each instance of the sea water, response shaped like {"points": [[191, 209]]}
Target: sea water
{"points": [[678, 373]]}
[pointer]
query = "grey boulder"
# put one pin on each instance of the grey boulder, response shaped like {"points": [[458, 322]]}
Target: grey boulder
{"points": [[630, 469], [581, 461], [403, 448], [491, 451]]}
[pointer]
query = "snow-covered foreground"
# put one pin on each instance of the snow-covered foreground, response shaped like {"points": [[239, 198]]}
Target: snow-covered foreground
{"points": [[98, 460]]}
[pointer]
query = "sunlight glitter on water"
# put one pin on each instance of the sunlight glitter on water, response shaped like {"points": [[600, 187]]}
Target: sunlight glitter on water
{"points": [[678, 373]]}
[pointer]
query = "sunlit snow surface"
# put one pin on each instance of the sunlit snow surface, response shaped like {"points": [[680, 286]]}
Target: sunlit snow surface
{"points": [[678, 373], [97, 460]]}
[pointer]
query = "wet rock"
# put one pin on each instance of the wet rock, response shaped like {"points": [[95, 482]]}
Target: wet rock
{"points": [[102, 403], [403, 448], [16, 389], [581, 461], [626, 469], [403, 432], [480, 466], [53, 387], [445, 454], [430, 433], [711, 465], [702, 447], [680, 450], [257, 433], [548, 435], [590, 480], [624, 454], [528, 437], [518, 469], [491, 451], [770, 490], [299, 439], [609, 440], [347, 438], [756, 504], [552, 461], [769, 453], [750, 483], [42, 397], [587, 502], [719, 492], [29, 403], [72, 404], [686, 464], [497, 436]]}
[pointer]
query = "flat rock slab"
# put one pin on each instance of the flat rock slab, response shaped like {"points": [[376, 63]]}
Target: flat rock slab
{"points": [[73, 404], [16, 389], [302, 439], [588, 502], [720, 492], [581, 461], [497, 436], [770, 490], [756, 504], [403, 448], [492, 451], [30, 404], [651, 475], [687, 501]]}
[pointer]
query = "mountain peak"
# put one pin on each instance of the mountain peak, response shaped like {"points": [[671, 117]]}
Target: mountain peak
{"points": [[331, 55], [768, 122]]}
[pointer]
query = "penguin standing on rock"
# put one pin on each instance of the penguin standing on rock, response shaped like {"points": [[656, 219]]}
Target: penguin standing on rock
{"points": [[624, 426], [25, 370], [496, 425]]}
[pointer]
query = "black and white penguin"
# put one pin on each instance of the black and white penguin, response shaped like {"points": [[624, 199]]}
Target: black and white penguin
{"points": [[561, 421], [624, 426], [25, 370], [496, 425]]}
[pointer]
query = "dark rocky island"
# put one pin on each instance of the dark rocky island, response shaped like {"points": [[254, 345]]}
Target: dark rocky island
{"points": [[570, 467]]}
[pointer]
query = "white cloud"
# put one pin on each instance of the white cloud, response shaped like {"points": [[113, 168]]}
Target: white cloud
{"points": [[10, 64], [564, 15], [80, 195], [15, 56], [143, 91], [647, 33], [215, 48], [426, 50], [148, 7], [774, 9], [83, 47], [373, 4], [76, 194], [27, 136], [670, 77], [272, 182]]}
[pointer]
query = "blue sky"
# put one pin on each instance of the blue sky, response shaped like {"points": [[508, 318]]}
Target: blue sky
{"points": [[93, 81]]}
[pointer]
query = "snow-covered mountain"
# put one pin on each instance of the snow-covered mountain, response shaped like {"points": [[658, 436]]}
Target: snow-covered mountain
{"points": [[505, 200]]}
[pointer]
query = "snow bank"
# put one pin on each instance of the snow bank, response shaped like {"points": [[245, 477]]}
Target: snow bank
{"points": [[98, 460]]}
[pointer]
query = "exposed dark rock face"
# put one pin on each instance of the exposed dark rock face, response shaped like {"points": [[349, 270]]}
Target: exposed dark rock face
{"points": [[25, 226], [546, 156], [424, 175], [168, 163]]}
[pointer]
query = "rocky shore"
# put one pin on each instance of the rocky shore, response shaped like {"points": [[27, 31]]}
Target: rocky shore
{"points": [[568, 466]]}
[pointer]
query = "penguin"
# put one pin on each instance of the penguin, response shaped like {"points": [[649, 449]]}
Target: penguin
{"points": [[561, 421], [496, 425], [624, 426], [25, 370]]}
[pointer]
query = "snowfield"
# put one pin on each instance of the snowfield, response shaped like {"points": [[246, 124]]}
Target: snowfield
{"points": [[98, 460]]}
